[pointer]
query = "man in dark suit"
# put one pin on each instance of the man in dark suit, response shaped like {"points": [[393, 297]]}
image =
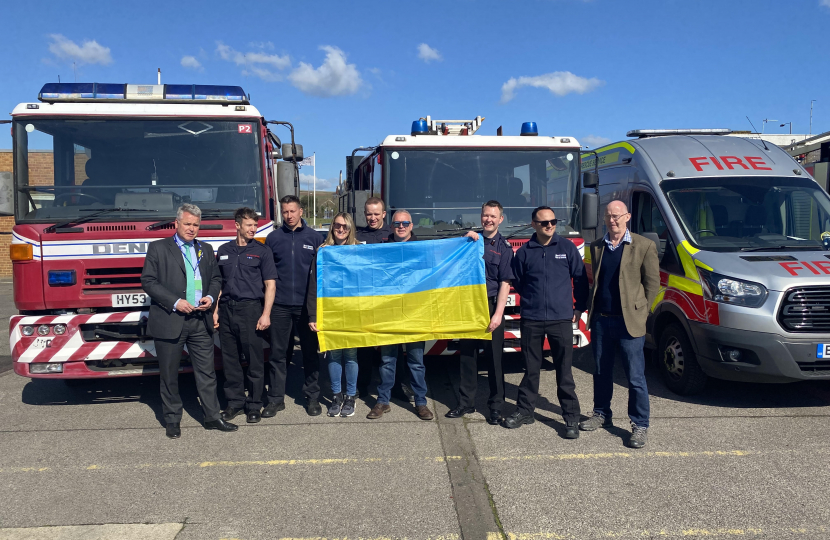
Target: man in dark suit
{"points": [[182, 278]]}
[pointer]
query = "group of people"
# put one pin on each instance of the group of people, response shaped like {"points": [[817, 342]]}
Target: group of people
{"points": [[272, 287]]}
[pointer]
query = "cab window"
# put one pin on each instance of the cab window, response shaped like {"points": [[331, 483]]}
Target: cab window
{"points": [[646, 217]]}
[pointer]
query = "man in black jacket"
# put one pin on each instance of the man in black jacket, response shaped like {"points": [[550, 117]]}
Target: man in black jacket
{"points": [[293, 246], [181, 276], [544, 271]]}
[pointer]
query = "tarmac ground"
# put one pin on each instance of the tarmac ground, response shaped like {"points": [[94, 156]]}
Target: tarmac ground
{"points": [[90, 460]]}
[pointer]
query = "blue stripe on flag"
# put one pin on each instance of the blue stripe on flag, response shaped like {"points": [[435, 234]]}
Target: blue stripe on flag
{"points": [[399, 268]]}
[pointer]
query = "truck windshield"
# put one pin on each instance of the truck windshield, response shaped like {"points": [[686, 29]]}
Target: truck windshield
{"points": [[444, 189], [751, 213], [70, 167]]}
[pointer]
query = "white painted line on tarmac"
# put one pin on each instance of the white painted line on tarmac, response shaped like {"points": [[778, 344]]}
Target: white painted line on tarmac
{"points": [[111, 531]]}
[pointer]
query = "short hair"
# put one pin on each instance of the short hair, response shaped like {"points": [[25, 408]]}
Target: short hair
{"points": [[245, 213], [190, 209], [493, 204], [375, 200], [288, 199], [401, 212], [539, 209]]}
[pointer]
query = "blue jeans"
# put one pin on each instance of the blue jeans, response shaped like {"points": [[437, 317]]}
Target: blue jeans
{"points": [[608, 334], [415, 361], [339, 359]]}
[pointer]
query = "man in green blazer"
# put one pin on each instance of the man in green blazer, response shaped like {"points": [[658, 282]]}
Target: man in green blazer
{"points": [[626, 276]]}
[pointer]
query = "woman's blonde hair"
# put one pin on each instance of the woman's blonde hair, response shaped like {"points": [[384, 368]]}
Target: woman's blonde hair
{"points": [[351, 240]]}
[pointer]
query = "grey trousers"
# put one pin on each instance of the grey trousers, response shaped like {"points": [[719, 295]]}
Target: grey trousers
{"points": [[200, 348]]}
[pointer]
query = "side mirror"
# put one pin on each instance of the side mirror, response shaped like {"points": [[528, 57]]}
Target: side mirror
{"points": [[276, 155], [656, 239], [6, 194], [590, 211], [590, 179], [297, 153]]}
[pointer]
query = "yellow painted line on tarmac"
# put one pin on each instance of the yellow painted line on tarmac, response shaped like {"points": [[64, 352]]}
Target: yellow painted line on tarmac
{"points": [[620, 455]]}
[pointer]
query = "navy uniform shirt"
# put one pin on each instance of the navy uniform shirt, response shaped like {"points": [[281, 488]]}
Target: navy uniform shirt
{"points": [[244, 270], [367, 235], [498, 256], [293, 252]]}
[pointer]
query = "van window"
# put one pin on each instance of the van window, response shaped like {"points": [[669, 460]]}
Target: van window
{"points": [[646, 217], [750, 213], [612, 183]]}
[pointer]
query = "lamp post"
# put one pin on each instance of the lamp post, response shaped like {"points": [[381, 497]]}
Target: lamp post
{"points": [[811, 115], [764, 124], [788, 124]]}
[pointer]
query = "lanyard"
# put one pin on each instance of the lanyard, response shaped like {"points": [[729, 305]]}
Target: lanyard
{"points": [[198, 247]]}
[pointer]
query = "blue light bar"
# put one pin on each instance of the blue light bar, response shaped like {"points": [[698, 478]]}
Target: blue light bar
{"points": [[530, 129], [420, 127], [61, 278], [172, 92], [80, 91]]}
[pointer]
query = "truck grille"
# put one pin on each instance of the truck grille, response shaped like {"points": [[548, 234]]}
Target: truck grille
{"points": [[107, 279], [806, 309]]}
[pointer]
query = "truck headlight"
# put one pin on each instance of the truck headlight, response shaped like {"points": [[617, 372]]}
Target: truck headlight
{"points": [[727, 290]]}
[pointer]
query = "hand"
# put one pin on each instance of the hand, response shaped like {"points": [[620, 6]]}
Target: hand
{"points": [[204, 303], [264, 322], [184, 306], [313, 326], [473, 235], [216, 319], [577, 316], [495, 321]]}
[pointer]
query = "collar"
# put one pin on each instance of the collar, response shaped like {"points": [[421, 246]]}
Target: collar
{"points": [[494, 240], [533, 242], [412, 238], [302, 226], [626, 238], [180, 241]]}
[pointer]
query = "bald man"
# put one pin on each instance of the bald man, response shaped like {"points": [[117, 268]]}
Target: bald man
{"points": [[626, 282]]}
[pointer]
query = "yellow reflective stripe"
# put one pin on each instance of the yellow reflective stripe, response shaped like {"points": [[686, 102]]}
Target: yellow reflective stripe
{"points": [[704, 265], [685, 251], [658, 299], [689, 247], [587, 257], [615, 145], [685, 284]]}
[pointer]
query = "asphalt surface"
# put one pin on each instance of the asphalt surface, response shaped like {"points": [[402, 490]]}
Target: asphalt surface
{"points": [[91, 461]]}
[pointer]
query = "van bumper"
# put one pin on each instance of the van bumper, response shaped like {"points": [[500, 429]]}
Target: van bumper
{"points": [[768, 358]]}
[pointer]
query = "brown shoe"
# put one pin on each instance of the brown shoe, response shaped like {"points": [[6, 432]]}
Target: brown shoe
{"points": [[378, 410], [423, 412]]}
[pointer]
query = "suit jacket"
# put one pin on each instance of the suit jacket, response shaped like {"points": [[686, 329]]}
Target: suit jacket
{"points": [[164, 279], [639, 280]]}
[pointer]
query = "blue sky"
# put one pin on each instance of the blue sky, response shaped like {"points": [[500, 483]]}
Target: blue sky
{"points": [[348, 74]]}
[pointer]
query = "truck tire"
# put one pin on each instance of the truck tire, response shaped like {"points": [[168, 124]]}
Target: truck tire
{"points": [[677, 362]]}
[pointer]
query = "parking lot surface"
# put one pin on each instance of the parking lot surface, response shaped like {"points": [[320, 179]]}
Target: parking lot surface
{"points": [[91, 460]]}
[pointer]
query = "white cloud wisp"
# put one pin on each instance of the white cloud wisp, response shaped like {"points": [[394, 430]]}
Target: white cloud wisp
{"points": [[190, 62], [258, 64], [560, 83], [428, 54], [335, 77], [90, 52], [595, 141]]}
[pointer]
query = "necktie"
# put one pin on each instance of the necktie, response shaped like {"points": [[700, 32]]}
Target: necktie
{"points": [[191, 276]]}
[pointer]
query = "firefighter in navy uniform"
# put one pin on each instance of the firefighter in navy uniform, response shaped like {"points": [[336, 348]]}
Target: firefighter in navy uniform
{"points": [[248, 286], [377, 232], [498, 256]]}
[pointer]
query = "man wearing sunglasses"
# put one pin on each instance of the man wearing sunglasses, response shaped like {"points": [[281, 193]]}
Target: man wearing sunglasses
{"points": [[626, 282], [550, 277], [402, 232]]}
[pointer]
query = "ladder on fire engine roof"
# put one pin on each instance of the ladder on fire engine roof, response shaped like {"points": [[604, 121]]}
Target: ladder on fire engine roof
{"points": [[453, 127]]}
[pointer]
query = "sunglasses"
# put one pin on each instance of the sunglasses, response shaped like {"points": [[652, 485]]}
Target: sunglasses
{"points": [[547, 223], [399, 224], [340, 226]]}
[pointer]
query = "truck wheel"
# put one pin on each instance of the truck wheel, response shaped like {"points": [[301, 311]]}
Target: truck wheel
{"points": [[678, 364]]}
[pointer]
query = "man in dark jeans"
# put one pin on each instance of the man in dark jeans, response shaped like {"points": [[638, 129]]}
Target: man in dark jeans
{"points": [[377, 232], [248, 285], [293, 246], [550, 277], [498, 256]]}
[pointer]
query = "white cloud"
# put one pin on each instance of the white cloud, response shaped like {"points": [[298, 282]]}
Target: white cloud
{"points": [[190, 62], [261, 45], [90, 52], [323, 184], [559, 83], [334, 77], [253, 62], [595, 140], [825, 3], [428, 54]]}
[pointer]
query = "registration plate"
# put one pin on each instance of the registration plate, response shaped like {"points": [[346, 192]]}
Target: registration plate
{"points": [[511, 300], [823, 350], [134, 299], [42, 343]]}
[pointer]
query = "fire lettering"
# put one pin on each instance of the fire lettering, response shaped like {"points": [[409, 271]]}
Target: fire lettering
{"points": [[794, 267]]}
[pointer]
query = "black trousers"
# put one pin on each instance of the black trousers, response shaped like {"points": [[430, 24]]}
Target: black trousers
{"points": [[493, 350], [237, 334], [200, 349], [560, 338], [368, 361], [283, 320]]}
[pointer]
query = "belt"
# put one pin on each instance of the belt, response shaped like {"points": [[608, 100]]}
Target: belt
{"points": [[609, 315], [232, 302]]}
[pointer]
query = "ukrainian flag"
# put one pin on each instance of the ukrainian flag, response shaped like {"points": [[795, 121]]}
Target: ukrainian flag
{"points": [[401, 292]]}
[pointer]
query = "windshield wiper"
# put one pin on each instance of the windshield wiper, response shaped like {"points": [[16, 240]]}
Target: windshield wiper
{"points": [[779, 247], [216, 215], [63, 226]]}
